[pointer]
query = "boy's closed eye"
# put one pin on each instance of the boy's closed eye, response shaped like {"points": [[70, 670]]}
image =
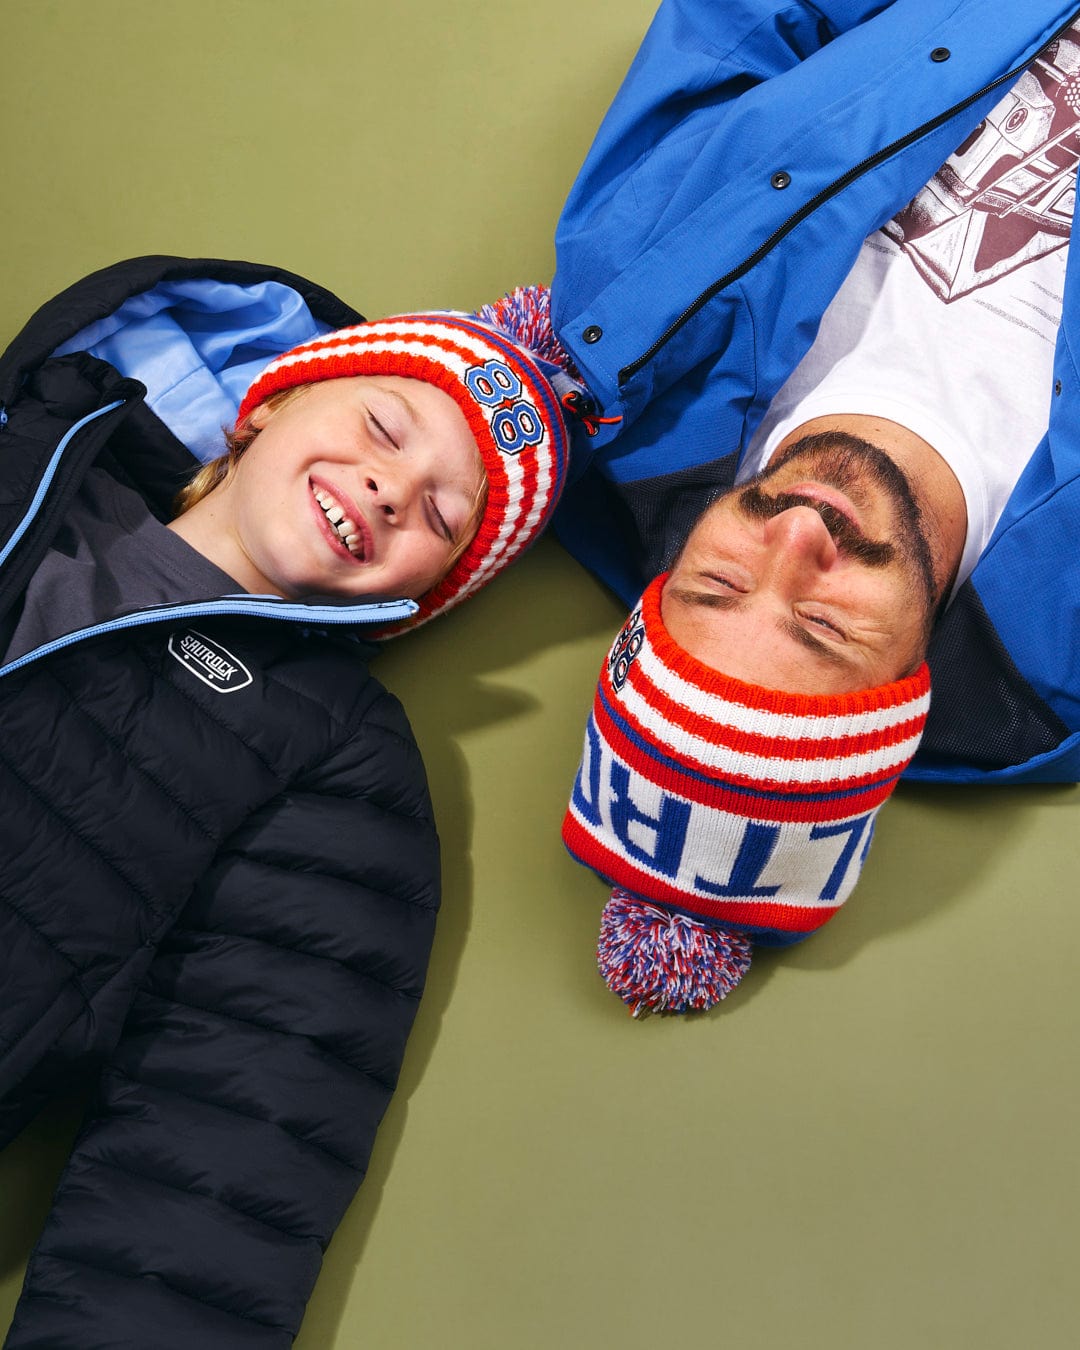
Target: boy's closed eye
{"points": [[382, 431], [438, 522]]}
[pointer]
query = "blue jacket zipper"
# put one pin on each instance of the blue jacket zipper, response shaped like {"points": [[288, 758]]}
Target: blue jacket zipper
{"points": [[49, 474], [312, 616]]}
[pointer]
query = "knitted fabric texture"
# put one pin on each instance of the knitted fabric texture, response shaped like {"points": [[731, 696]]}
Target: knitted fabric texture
{"points": [[511, 400], [737, 805]]}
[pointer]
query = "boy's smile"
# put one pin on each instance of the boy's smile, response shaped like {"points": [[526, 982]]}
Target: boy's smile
{"points": [[359, 487], [346, 526]]}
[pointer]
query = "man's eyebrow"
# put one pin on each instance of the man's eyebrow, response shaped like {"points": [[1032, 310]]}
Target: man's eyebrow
{"points": [[706, 599], [827, 651]]}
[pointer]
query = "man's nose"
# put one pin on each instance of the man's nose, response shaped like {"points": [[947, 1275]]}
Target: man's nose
{"points": [[799, 540]]}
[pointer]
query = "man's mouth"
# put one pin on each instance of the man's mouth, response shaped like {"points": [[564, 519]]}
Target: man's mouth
{"points": [[841, 523], [353, 534], [819, 492]]}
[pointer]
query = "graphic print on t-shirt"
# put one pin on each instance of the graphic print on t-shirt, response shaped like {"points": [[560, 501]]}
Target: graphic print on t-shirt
{"points": [[1005, 196]]}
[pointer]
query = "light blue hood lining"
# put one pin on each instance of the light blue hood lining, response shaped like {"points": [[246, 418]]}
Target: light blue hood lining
{"points": [[197, 345]]}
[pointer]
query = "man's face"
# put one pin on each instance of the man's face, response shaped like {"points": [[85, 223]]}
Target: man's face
{"points": [[816, 576]]}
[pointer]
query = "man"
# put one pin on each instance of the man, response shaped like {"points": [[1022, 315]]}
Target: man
{"points": [[727, 289]]}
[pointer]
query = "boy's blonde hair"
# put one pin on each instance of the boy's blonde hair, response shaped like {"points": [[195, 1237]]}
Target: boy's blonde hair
{"points": [[237, 440]]}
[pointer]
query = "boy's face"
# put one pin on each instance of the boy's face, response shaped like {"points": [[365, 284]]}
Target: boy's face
{"points": [[360, 487]]}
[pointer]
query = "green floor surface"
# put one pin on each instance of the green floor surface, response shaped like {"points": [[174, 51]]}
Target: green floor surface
{"points": [[873, 1143]]}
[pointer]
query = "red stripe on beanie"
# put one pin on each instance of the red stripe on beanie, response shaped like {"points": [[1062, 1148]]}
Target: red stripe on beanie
{"points": [[707, 728], [742, 795], [616, 870]]}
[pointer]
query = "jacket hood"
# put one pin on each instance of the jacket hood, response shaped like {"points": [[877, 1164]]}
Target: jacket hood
{"points": [[193, 332]]}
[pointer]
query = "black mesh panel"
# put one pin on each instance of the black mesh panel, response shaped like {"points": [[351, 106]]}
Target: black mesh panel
{"points": [[665, 509], [982, 710]]}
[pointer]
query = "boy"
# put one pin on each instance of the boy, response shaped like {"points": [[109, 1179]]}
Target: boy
{"points": [[218, 862]]}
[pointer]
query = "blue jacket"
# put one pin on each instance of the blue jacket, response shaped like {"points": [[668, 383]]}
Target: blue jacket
{"points": [[751, 149]]}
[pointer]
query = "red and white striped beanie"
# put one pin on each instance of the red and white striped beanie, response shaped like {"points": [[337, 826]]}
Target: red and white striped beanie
{"points": [[723, 812], [510, 378]]}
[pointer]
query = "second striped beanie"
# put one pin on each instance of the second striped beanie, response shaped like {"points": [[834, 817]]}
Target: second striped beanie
{"points": [[723, 813]]}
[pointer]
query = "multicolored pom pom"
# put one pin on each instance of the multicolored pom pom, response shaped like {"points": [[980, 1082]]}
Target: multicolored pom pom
{"points": [[658, 960], [525, 316]]}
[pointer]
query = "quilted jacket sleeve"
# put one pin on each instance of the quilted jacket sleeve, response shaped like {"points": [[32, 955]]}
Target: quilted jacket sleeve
{"points": [[237, 1115]]}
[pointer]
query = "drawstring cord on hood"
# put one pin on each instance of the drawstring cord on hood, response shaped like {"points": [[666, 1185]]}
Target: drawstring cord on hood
{"points": [[581, 407]]}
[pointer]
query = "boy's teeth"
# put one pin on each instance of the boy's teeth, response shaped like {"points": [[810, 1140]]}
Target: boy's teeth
{"points": [[344, 528]]}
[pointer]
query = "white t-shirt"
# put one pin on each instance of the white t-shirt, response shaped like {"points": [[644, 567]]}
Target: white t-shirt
{"points": [[948, 321]]}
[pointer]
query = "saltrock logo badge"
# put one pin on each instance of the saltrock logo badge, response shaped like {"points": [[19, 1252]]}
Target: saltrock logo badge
{"points": [[209, 661]]}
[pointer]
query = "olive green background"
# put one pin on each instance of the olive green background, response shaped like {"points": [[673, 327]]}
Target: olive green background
{"points": [[872, 1144]]}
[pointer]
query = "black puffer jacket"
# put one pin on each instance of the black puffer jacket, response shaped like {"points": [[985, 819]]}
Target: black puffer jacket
{"points": [[218, 886]]}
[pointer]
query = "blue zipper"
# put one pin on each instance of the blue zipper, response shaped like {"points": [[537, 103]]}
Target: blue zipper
{"points": [[312, 616], [50, 474]]}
